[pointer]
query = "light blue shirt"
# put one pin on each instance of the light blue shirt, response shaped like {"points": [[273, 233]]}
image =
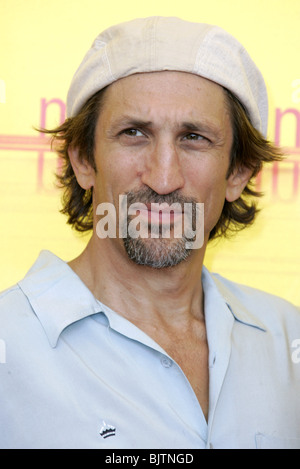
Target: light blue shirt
{"points": [[75, 374]]}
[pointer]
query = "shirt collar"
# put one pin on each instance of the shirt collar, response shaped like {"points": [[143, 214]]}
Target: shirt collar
{"points": [[236, 299], [57, 295], [59, 298]]}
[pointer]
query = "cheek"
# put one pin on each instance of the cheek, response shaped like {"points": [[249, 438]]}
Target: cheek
{"points": [[103, 180], [210, 190], [213, 206], [115, 175]]}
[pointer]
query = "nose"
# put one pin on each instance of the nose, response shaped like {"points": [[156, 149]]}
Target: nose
{"points": [[163, 171]]}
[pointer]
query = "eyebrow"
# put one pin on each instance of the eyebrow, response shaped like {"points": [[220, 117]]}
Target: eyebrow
{"points": [[201, 127], [130, 121], [192, 126]]}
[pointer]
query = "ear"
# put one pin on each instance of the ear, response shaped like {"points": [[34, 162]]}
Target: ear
{"points": [[237, 182], [84, 172]]}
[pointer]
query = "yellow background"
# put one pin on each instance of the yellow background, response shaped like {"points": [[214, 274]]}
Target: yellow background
{"points": [[43, 41]]}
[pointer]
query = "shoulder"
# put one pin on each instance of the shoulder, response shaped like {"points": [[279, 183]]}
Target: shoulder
{"points": [[270, 309], [13, 305], [250, 294], [12, 297], [17, 303]]}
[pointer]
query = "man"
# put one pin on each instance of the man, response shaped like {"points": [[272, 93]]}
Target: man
{"points": [[135, 344]]}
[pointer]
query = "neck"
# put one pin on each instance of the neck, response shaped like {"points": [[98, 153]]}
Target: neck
{"points": [[142, 294]]}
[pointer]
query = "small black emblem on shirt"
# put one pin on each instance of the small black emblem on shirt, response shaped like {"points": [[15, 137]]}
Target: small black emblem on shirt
{"points": [[107, 430]]}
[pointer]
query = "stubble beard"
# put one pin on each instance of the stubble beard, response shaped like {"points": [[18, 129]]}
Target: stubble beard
{"points": [[158, 252]]}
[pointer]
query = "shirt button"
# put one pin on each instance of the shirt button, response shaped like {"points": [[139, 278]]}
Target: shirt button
{"points": [[165, 361]]}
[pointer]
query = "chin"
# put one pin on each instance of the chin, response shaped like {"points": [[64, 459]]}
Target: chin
{"points": [[157, 253]]}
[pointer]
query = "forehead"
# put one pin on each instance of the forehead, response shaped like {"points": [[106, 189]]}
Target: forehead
{"points": [[165, 96]]}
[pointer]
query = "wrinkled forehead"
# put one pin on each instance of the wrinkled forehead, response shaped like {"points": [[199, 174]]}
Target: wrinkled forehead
{"points": [[165, 102], [165, 91]]}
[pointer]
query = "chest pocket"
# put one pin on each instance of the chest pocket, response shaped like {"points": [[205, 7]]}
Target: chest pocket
{"points": [[271, 442]]}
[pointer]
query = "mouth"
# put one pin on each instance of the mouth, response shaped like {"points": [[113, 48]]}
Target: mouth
{"points": [[161, 214]]}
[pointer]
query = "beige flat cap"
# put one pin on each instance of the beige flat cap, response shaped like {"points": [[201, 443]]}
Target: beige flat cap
{"points": [[167, 43]]}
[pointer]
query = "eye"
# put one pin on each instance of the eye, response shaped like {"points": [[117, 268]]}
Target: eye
{"points": [[132, 133], [195, 137]]}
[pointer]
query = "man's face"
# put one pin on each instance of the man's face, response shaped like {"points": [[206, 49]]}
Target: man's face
{"points": [[164, 136]]}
